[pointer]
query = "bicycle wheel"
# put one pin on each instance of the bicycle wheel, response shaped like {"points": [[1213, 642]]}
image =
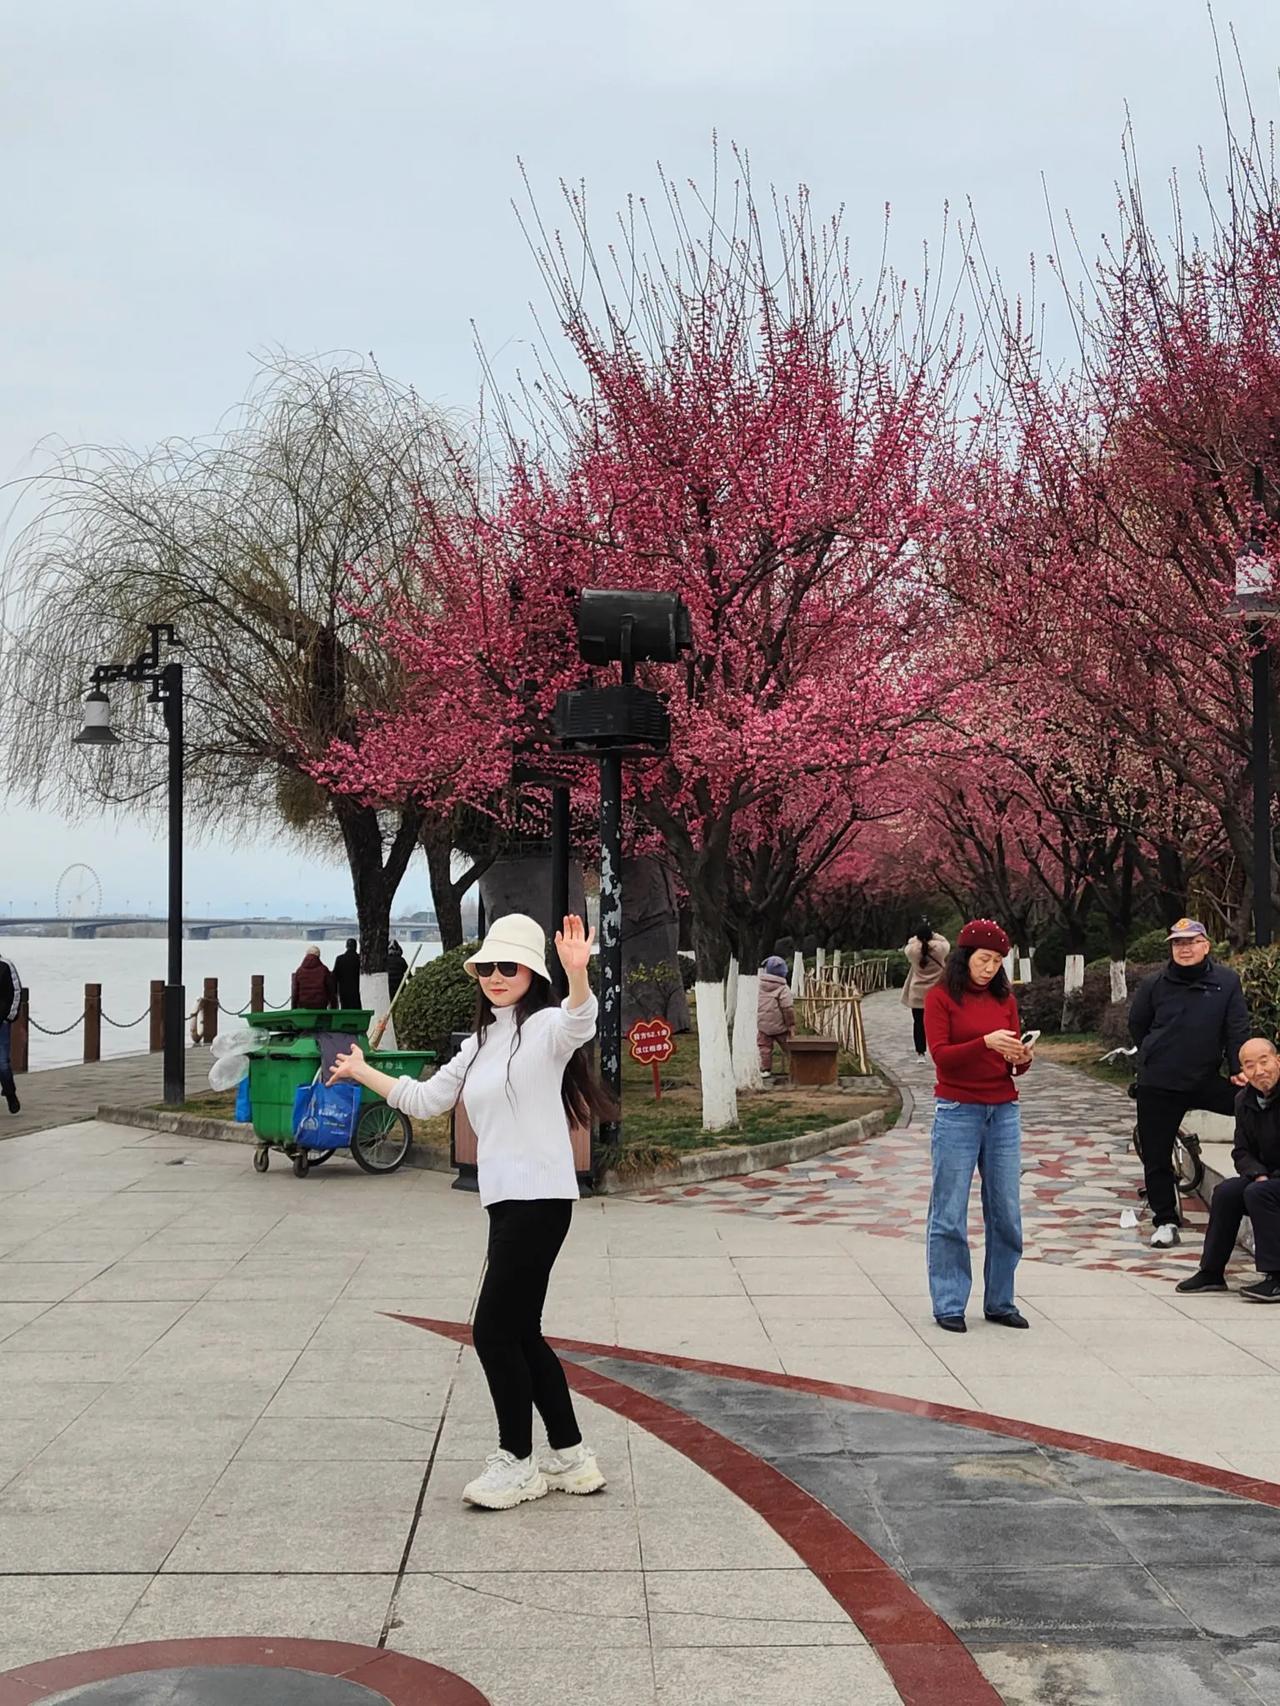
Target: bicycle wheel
{"points": [[381, 1139], [1188, 1164]]}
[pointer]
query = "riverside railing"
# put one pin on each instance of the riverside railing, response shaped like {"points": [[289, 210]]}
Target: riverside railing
{"points": [[203, 1019]]}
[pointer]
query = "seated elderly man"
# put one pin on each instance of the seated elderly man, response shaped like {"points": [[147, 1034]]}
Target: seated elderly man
{"points": [[1255, 1190]]}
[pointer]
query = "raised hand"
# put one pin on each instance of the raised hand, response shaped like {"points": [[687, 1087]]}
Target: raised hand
{"points": [[574, 944], [346, 1069]]}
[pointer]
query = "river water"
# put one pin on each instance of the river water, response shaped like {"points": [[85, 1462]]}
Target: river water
{"points": [[56, 970]]}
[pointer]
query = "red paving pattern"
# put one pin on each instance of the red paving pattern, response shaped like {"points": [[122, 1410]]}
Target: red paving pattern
{"points": [[1079, 1170], [399, 1680]]}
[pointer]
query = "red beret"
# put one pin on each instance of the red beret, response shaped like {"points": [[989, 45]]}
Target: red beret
{"points": [[984, 933]]}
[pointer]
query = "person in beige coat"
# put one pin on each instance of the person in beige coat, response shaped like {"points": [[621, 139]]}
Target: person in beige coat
{"points": [[927, 952]]}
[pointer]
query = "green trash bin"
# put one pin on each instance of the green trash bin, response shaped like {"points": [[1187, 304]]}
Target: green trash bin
{"points": [[278, 1068]]}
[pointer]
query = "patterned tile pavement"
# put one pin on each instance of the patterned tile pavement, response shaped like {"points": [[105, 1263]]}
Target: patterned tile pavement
{"points": [[1079, 1169]]}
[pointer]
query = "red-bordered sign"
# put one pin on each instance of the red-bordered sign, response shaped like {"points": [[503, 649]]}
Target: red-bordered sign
{"points": [[652, 1044]]}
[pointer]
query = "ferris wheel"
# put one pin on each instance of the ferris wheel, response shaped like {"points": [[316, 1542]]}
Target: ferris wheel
{"points": [[79, 893]]}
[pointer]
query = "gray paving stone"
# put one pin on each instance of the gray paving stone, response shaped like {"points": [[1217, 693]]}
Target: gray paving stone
{"points": [[1240, 1600], [1035, 1536], [1023, 1478], [1063, 1607], [230, 1685], [1222, 1534], [1186, 1673]]}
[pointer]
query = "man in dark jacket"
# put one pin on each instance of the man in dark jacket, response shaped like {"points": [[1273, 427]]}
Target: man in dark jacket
{"points": [[1184, 1019], [312, 984], [1255, 1190], [346, 975], [397, 966], [10, 996]]}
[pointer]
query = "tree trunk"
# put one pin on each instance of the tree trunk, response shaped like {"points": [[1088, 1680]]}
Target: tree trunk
{"points": [[521, 882], [711, 957], [651, 943], [446, 896], [375, 877]]}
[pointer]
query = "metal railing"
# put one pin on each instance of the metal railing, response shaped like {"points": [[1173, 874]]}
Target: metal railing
{"points": [[203, 1019]]}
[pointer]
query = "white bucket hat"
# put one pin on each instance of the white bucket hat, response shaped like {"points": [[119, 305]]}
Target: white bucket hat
{"points": [[516, 937]]}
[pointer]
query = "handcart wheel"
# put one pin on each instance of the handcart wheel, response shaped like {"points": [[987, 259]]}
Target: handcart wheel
{"points": [[261, 1158], [318, 1157], [301, 1164], [381, 1139]]}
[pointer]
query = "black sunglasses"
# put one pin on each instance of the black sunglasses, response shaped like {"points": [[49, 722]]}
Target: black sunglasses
{"points": [[486, 968]]}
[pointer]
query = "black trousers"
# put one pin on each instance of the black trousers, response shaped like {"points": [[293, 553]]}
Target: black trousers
{"points": [[1160, 1113], [917, 1028], [519, 1364], [1232, 1200]]}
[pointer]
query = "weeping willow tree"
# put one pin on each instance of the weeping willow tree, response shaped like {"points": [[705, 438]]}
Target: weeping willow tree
{"points": [[253, 543]]}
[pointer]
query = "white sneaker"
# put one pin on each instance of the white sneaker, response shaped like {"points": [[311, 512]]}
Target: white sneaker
{"points": [[1165, 1237], [506, 1481], [573, 1470]]}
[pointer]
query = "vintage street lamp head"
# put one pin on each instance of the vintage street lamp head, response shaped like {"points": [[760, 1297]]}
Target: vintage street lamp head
{"points": [[97, 730], [656, 624], [1256, 590]]}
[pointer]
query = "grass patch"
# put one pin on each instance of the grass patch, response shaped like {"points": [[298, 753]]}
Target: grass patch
{"points": [[658, 1133], [1080, 1050]]}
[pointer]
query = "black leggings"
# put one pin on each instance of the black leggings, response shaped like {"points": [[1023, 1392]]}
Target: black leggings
{"points": [[917, 1028], [519, 1364]]}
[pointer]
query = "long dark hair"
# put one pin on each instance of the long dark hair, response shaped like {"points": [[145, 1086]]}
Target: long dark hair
{"points": [[959, 984], [584, 1097], [924, 935]]}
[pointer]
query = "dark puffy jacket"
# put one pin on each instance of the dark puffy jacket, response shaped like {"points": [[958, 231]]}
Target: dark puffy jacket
{"points": [[346, 977], [312, 984], [1183, 1029], [1257, 1145]]}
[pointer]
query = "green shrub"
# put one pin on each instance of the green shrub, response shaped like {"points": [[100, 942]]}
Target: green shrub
{"points": [[436, 1001], [1040, 1001], [1149, 948], [1259, 970]]}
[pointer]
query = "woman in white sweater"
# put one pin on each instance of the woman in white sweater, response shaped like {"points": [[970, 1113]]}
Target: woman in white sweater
{"points": [[927, 953], [522, 1077]]}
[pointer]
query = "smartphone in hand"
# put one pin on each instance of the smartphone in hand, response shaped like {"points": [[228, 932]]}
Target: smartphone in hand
{"points": [[1030, 1039]]}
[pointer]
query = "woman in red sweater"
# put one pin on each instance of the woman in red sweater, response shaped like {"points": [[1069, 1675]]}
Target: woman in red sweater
{"points": [[971, 1023]]}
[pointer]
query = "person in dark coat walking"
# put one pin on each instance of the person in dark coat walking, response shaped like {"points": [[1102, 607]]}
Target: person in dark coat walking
{"points": [[312, 984], [1184, 1018], [1255, 1189], [397, 966], [346, 975], [10, 998]]}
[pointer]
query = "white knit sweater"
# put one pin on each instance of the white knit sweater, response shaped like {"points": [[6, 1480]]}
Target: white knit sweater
{"points": [[512, 1098]]}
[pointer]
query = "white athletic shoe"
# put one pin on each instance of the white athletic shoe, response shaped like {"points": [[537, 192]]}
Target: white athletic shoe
{"points": [[506, 1481], [1165, 1237], [573, 1470]]}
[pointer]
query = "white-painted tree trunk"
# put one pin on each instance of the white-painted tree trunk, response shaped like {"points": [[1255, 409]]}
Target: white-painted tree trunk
{"points": [[746, 1056], [1072, 990], [1119, 985], [797, 976], [375, 993], [731, 992], [835, 963], [1024, 969], [719, 1096], [1009, 966], [820, 963]]}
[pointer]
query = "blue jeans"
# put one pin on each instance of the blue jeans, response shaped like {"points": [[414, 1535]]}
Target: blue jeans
{"points": [[988, 1136]]}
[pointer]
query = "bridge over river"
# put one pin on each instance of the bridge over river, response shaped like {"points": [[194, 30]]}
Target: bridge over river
{"points": [[202, 929]]}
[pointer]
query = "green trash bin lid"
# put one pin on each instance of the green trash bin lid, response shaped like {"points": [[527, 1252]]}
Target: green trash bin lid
{"points": [[356, 1020]]}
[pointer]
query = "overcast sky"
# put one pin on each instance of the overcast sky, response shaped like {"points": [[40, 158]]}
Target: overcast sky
{"points": [[185, 185]]}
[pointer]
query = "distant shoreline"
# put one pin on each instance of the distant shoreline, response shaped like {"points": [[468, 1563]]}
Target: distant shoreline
{"points": [[216, 933]]}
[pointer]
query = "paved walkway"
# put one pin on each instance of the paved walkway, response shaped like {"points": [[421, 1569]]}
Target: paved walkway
{"points": [[57, 1095], [219, 1421], [1079, 1169]]}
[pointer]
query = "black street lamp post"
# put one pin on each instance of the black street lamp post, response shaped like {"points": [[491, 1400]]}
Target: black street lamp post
{"points": [[165, 683], [1257, 599], [611, 724]]}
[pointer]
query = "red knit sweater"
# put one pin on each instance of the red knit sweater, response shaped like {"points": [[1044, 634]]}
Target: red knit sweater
{"points": [[969, 1071]]}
